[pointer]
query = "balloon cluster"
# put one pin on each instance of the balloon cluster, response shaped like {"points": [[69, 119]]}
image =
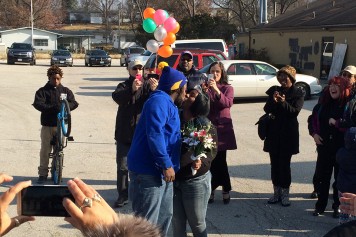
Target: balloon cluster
{"points": [[164, 29]]}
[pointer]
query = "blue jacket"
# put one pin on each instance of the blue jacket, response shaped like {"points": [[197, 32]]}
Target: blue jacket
{"points": [[157, 140]]}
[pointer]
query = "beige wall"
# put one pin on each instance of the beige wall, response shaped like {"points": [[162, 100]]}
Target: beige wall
{"points": [[308, 58]]}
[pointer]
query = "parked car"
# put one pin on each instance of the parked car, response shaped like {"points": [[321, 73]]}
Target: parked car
{"points": [[201, 57], [61, 58], [97, 57], [22, 53], [129, 52], [142, 57], [218, 44], [252, 78]]}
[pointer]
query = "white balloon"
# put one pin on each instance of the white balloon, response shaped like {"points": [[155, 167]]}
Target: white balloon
{"points": [[152, 46], [160, 33]]}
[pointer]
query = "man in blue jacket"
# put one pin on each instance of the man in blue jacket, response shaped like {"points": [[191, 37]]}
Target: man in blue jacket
{"points": [[154, 155]]}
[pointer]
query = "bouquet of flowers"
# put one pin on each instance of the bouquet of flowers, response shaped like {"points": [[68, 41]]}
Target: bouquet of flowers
{"points": [[199, 140]]}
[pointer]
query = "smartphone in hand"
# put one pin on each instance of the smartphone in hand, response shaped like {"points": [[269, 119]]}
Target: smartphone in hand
{"points": [[44, 200], [153, 75]]}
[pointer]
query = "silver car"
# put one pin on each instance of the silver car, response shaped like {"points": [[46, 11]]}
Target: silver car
{"points": [[61, 58], [142, 57], [129, 52], [251, 78]]}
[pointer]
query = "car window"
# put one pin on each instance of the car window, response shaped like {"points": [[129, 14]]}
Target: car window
{"points": [[220, 56], [146, 53], [136, 50], [201, 45], [243, 69], [61, 53], [263, 69], [207, 59], [231, 70], [151, 61], [98, 52]]}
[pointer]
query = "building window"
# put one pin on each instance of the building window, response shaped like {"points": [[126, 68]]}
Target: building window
{"points": [[41, 42]]}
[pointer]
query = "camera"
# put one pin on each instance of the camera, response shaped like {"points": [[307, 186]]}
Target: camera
{"points": [[44, 200]]}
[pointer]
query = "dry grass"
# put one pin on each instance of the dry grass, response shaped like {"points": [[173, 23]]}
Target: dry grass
{"points": [[47, 56]]}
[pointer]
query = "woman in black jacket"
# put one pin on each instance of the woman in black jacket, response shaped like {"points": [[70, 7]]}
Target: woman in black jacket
{"points": [[328, 140], [282, 139]]}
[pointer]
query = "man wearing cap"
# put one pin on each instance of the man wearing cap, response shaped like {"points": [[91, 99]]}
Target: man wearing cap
{"points": [[154, 155], [186, 65], [349, 72], [130, 95]]}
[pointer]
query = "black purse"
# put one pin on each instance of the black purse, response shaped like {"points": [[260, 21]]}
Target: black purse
{"points": [[263, 124]]}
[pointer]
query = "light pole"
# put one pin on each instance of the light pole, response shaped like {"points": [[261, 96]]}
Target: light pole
{"points": [[31, 24], [119, 31]]}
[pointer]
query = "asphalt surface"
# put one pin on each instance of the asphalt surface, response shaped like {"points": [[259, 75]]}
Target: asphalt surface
{"points": [[92, 156]]}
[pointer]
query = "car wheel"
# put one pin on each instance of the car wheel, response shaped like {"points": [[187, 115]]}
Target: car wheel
{"points": [[306, 90]]}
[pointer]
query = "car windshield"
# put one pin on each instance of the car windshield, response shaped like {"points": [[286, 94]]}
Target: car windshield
{"points": [[98, 52], [61, 53], [137, 50], [146, 53], [21, 46]]}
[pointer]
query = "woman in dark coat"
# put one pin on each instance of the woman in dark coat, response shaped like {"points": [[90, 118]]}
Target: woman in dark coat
{"points": [[221, 96], [328, 140], [282, 140]]}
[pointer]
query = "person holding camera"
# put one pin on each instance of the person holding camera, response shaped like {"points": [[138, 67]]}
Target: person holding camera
{"points": [[89, 213], [130, 96], [47, 101], [221, 95], [6, 222], [282, 138]]}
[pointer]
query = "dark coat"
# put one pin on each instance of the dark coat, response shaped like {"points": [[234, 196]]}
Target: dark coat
{"points": [[130, 108], [47, 100], [283, 131], [346, 179], [220, 116]]}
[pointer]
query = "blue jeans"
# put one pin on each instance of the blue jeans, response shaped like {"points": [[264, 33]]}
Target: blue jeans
{"points": [[152, 198], [190, 203]]}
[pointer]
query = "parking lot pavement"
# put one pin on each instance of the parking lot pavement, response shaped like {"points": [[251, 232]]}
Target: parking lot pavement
{"points": [[92, 156]]}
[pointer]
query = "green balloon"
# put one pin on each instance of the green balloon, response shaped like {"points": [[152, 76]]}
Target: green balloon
{"points": [[149, 25]]}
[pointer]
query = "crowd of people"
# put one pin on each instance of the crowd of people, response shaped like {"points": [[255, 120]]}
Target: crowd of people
{"points": [[169, 178]]}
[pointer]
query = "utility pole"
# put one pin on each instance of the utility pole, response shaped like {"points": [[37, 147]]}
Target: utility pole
{"points": [[31, 24], [119, 30]]}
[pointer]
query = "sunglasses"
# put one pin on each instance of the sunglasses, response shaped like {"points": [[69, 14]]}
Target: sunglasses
{"points": [[346, 74], [186, 59], [137, 68]]}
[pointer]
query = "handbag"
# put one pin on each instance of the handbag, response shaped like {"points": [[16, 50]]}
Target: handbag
{"points": [[263, 124]]}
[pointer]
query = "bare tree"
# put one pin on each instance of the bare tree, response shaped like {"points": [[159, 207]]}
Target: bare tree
{"points": [[17, 13]]}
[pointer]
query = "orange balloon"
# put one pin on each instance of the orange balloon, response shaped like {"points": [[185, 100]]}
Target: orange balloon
{"points": [[170, 38], [165, 51], [148, 13], [175, 31]]}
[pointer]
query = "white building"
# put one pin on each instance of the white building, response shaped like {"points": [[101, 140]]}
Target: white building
{"points": [[42, 39]]}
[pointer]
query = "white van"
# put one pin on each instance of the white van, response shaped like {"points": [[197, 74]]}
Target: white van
{"points": [[218, 44]]}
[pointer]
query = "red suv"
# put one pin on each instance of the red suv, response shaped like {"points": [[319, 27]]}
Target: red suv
{"points": [[201, 58]]}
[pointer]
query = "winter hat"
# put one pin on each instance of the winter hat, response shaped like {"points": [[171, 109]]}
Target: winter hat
{"points": [[290, 71], [171, 80], [351, 69]]}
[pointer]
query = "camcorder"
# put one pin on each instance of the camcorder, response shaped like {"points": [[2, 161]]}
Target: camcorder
{"points": [[43, 200]]}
